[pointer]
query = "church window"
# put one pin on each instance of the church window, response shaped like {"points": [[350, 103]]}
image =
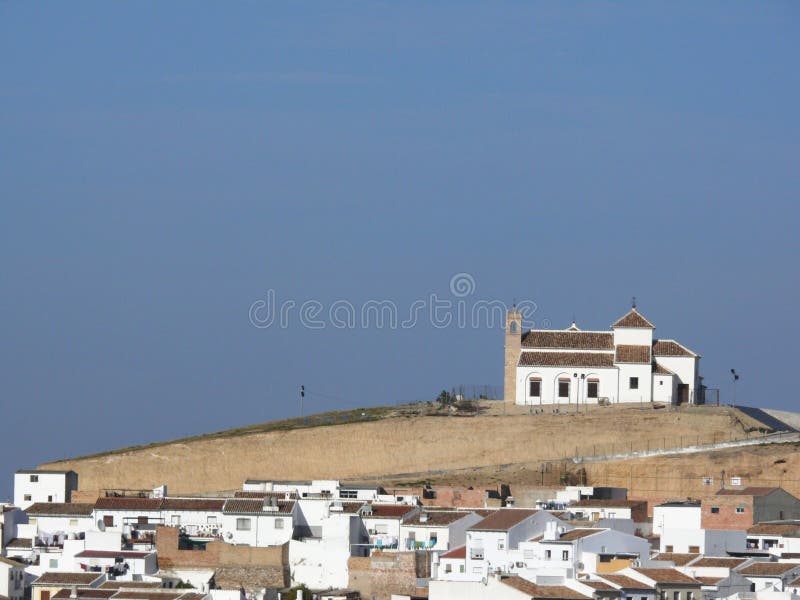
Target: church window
{"points": [[563, 389], [634, 383], [592, 388], [535, 387]]}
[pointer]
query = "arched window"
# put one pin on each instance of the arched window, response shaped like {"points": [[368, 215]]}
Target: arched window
{"points": [[513, 327]]}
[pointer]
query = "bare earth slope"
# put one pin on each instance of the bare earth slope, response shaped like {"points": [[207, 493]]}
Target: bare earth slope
{"points": [[397, 444]]}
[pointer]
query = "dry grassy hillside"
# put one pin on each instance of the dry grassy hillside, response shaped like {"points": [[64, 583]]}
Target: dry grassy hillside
{"points": [[400, 441]]}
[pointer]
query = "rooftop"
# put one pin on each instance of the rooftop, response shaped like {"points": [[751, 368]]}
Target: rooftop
{"points": [[389, 511], [633, 320], [781, 529], [611, 503], [503, 519], [567, 359], [666, 576], [768, 569], [460, 552], [247, 506], [60, 509], [680, 560], [53, 578], [435, 518], [719, 561], [625, 582], [568, 340], [544, 592], [84, 593], [748, 491]]}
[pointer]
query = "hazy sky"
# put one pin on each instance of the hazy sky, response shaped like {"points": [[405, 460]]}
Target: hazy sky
{"points": [[165, 165]]}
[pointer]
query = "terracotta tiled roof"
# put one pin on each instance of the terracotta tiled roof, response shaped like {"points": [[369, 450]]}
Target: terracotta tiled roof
{"points": [[199, 504], [435, 518], [542, 592], [60, 509], [503, 519], [12, 563], [84, 594], [53, 578], [460, 552], [767, 569], [351, 508], [576, 534], [130, 584], [566, 359], [611, 503], [710, 580], [598, 585], [123, 503], [265, 494], [719, 562], [666, 576], [659, 369], [625, 582], [680, 560], [670, 348], [26, 543], [784, 529], [795, 583], [635, 320], [748, 491], [147, 595], [389, 511], [627, 353], [248, 506], [573, 340]]}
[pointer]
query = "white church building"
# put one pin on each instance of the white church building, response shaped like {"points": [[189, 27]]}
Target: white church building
{"points": [[572, 366]]}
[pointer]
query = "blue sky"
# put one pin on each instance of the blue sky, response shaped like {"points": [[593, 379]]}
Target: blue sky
{"points": [[164, 165]]}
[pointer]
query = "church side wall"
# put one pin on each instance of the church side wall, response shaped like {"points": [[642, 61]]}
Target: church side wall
{"points": [[549, 389]]}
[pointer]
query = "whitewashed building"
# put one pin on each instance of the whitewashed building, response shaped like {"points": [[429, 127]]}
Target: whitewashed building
{"points": [[36, 485], [12, 579], [258, 522], [576, 367]]}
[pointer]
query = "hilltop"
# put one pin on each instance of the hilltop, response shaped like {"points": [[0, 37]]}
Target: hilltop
{"points": [[380, 443]]}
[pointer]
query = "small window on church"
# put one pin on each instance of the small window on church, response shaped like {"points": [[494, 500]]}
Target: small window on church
{"points": [[535, 388], [513, 327], [563, 389], [591, 389], [634, 383]]}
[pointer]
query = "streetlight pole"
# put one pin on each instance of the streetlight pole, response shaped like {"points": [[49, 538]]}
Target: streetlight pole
{"points": [[735, 377], [577, 393]]}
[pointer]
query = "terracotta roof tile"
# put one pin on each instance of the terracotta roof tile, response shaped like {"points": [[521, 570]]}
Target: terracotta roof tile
{"points": [[60, 509], [53, 578], [26, 543], [128, 594], [543, 592], [503, 519], [611, 503], [460, 552], [710, 580], [199, 504], [720, 562], [576, 534], [12, 563], [130, 584], [627, 353], [659, 369], [84, 594], [784, 529], [566, 359], [250, 506], [670, 348], [666, 576], [125, 503], [111, 554], [680, 560], [598, 585], [572, 340], [768, 569], [389, 511], [635, 320], [625, 582]]}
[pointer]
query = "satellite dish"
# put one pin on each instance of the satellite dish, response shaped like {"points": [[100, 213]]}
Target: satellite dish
{"points": [[101, 526], [229, 535]]}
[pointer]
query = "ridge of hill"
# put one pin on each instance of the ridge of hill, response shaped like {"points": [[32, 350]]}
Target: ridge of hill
{"points": [[367, 444]]}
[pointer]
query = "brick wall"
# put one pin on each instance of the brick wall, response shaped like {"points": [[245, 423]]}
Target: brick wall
{"points": [[383, 574], [456, 497], [259, 567], [727, 517]]}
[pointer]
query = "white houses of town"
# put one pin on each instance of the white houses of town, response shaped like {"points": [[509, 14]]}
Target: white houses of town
{"points": [[576, 367]]}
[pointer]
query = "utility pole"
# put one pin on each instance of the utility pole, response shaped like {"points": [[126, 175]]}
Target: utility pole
{"points": [[302, 395]]}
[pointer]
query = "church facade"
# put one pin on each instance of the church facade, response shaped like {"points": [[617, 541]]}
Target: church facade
{"points": [[575, 367]]}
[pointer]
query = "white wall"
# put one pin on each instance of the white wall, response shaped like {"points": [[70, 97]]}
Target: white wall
{"points": [[686, 369], [50, 487], [607, 386], [676, 517], [644, 392], [51, 524], [264, 529], [633, 336], [665, 389]]}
